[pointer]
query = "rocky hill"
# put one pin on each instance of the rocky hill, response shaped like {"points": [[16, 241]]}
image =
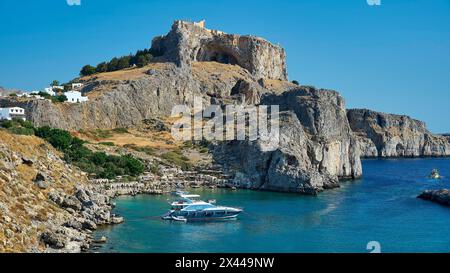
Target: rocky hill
{"points": [[192, 42], [388, 135], [46, 205], [316, 148]]}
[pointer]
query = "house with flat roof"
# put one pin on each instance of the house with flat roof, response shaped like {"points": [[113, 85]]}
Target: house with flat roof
{"points": [[11, 113], [75, 97], [49, 90], [77, 86]]}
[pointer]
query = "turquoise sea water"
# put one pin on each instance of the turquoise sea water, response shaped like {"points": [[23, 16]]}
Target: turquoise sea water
{"points": [[381, 207]]}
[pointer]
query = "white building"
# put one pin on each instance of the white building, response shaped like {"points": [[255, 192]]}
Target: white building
{"points": [[49, 90], [12, 113], [59, 87], [24, 95], [75, 97], [77, 86]]}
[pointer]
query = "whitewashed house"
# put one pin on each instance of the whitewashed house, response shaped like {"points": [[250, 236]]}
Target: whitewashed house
{"points": [[12, 113], [75, 97], [58, 87], [24, 95], [77, 86], [49, 90]]}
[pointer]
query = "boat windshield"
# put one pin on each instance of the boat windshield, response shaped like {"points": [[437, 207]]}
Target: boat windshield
{"points": [[198, 207]]}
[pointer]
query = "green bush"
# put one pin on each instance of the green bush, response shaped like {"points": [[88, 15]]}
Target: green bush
{"points": [[87, 70], [102, 133], [18, 126], [22, 131], [60, 98], [99, 164], [140, 58], [176, 157], [107, 143], [120, 130]]}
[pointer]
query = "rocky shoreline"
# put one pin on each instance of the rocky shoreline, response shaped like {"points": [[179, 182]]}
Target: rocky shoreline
{"points": [[91, 205]]}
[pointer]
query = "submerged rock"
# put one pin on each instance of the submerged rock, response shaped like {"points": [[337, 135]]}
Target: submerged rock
{"points": [[438, 196]]}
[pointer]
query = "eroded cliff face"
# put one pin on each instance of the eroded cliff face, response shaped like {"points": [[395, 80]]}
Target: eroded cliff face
{"points": [[190, 42], [388, 135], [316, 148], [30, 169], [125, 98], [117, 99]]}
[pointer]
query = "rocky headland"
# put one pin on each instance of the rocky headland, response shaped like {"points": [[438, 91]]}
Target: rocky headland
{"points": [[48, 205], [389, 135], [316, 147]]}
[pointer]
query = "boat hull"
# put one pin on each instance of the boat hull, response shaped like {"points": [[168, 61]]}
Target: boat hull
{"points": [[201, 215]]}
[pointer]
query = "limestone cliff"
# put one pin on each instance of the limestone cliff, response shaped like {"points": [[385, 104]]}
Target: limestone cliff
{"points": [[189, 42], [30, 169], [46, 205], [388, 135], [316, 149]]}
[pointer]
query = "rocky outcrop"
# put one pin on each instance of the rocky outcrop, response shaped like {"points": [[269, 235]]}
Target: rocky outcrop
{"points": [[316, 149], [316, 146], [194, 62], [120, 102], [89, 208], [388, 135], [190, 42], [46, 205], [438, 196]]}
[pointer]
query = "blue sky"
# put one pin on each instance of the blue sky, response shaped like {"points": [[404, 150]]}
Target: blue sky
{"points": [[393, 58]]}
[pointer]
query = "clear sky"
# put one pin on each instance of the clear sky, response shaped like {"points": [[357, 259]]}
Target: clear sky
{"points": [[393, 58]]}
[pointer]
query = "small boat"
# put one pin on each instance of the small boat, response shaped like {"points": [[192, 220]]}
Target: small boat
{"points": [[190, 208], [435, 174]]}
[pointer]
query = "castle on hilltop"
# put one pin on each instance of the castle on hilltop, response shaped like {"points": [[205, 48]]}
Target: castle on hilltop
{"points": [[189, 42]]}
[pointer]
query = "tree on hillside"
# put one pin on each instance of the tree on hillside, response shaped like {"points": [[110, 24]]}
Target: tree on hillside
{"points": [[140, 58], [87, 70], [295, 82], [143, 60], [124, 62], [102, 67], [112, 65], [60, 98], [54, 83]]}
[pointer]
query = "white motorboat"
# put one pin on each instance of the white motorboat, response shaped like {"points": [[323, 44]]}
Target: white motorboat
{"points": [[189, 207]]}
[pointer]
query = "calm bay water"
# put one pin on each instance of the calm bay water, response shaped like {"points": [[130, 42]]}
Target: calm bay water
{"points": [[381, 207]]}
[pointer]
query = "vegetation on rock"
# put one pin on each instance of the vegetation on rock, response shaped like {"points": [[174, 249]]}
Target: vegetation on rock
{"points": [[140, 59], [98, 164]]}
